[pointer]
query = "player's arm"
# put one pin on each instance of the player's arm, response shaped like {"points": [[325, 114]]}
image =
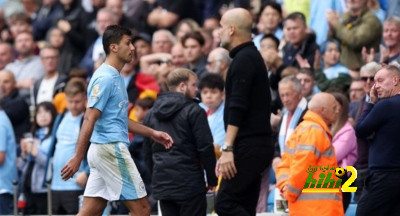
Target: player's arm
{"points": [[90, 118], [158, 136]]}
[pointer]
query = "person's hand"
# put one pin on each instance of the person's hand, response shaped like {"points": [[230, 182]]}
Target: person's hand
{"points": [[211, 189], [34, 147], [24, 147], [81, 179], [275, 163], [373, 95], [367, 56], [283, 191], [64, 25], [25, 84], [162, 138], [303, 63], [332, 17], [70, 168], [384, 54], [226, 166], [275, 119]]}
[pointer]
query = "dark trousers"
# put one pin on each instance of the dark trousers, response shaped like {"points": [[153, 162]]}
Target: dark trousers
{"points": [[194, 206], [359, 183], [36, 203], [380, 195], [6, 204], [65, 202], [239, 195]]}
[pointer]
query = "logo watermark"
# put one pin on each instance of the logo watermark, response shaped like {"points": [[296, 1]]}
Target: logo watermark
{"points": [[327, 183]]}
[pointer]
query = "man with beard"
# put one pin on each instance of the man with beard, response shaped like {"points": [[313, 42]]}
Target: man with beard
{"points": [[248, 148]]}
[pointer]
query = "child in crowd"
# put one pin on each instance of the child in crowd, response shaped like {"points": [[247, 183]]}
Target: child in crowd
{"points": [[34, 148], [212, 94]]}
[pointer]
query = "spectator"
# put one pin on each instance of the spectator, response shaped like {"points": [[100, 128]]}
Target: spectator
{"points": [[192, 49], [65, 194], [357, 91], [8, 162], [116, 6], [310, 145], [14, 105], [307, 80], [391, 38], [162, 42], [17, 23], [355, 29], [330, 53], [45, 17], [294, 108], [367, 74], [318, 22], [27, 68], [299, 42], [177, 55], [270, 53], [269, 22], [167, 13], [248, 148], [380, 119], [6, 55], [67, 58], [95, 53], [46, 88], [91, 24], [34, 150], [212, 94], [192, 153], [344, 141], [72, 22], [184, 27], [218, 62]]}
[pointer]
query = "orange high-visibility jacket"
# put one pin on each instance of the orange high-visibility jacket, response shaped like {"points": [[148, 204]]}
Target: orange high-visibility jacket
{"points": [[309, 145]]}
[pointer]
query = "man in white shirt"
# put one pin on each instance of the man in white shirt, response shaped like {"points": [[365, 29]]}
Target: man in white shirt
{"points": [[44, 89]]}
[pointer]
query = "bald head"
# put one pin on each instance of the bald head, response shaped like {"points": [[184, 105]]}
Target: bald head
{"points": [[325, 105], [7, 82], [241, 19]]}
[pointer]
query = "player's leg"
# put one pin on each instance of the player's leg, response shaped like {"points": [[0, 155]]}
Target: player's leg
{"points": [[92, 206], [138, 207]]}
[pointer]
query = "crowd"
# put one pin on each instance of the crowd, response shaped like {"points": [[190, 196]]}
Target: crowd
{"points": [[251, 92]]}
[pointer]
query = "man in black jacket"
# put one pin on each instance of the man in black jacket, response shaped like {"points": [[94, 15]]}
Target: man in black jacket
{"points": [[248, 147], [14, 105], [178, 173]]}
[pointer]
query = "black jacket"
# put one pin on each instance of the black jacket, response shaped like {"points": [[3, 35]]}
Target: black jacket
{"points": [[306, 50], [17, 110], [178, 173]]}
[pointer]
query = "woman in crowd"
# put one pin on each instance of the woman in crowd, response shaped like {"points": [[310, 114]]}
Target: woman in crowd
{"points": [[344, 140]]}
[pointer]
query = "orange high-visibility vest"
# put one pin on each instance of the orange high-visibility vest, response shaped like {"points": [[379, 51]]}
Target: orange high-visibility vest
{"points": [[310, 144]]}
